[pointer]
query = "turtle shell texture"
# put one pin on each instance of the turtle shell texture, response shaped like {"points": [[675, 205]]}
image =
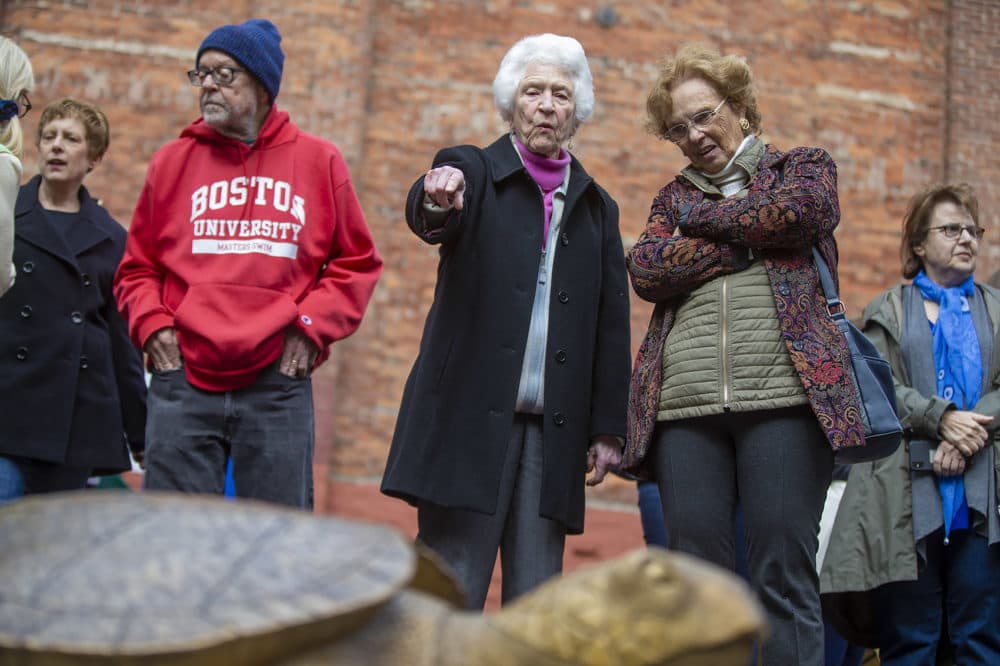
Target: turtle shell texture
{"points": [[172, 579]]}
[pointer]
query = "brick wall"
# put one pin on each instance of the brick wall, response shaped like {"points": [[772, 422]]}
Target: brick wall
{"points": [[971, 154], [901, 92]]}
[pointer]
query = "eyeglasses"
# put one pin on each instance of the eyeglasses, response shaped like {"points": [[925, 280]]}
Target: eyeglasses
{"points": [[954, 231], [23, 105], [700, 121], [223, 76]]}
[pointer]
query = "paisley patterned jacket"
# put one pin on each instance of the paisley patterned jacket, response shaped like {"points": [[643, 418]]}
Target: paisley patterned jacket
{"points": [[691, 239]]}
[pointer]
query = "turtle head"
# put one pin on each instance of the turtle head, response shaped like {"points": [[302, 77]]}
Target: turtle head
{"points": [[650, 606]]}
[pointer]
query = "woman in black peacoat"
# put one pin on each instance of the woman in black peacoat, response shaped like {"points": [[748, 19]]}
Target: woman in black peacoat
{"points": [[464, 401], [72, 387], [459, 399]]}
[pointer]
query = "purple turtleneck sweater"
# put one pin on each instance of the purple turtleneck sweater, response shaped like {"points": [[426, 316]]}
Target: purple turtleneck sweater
{"points": [[548, 173]]}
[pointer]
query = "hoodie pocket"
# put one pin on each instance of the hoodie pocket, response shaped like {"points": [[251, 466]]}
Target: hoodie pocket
{"points": [[231, 327]]}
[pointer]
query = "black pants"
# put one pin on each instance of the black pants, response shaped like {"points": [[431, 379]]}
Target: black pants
{"points": [[777, 465]]}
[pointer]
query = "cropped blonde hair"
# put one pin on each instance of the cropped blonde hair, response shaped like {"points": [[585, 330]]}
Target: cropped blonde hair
{"points": [[730, 75], [15, 77]]}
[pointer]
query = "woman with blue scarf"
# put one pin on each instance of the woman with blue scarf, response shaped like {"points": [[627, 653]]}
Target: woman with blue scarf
{"points": [[915, 538]]}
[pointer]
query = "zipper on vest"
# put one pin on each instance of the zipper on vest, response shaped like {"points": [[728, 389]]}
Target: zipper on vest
{"points": [[726, 389]]}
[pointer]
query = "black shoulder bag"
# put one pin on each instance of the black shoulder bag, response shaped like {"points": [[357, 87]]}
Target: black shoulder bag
{"points": [[873, 377]]}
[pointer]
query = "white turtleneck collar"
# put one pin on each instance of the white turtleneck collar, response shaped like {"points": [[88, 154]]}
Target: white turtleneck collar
{"points": [[732, 178]]}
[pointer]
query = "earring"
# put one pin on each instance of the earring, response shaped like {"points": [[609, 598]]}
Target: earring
{"points": [[569, 144], [744, 124]]}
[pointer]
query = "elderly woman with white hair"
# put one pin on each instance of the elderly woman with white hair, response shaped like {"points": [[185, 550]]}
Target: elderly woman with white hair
{"points": [[16, 81], [520, 386]]}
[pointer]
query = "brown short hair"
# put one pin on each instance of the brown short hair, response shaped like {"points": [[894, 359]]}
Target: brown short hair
{"points": [[95, 124], [730, 75], [918, 218]]}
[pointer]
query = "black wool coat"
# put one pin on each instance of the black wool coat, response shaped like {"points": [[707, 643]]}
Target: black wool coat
{"points": [[458, 404], [72, 386]]}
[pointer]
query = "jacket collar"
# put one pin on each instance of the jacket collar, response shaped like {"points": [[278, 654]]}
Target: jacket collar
{"points": [[886, 309], [757, 155], [506, 162], [34, 226]]}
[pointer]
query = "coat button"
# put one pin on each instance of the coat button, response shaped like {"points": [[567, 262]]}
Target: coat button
{"points": [[563, 297], [26, 311], [84, 362], [560, 356], [22, 353], [76, 317], [797, 345], [564, 239], [559, 418], [86, 279], [28, 267]]}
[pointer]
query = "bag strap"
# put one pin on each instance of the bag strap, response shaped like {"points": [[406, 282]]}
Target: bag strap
{"points": [[833, 303]]}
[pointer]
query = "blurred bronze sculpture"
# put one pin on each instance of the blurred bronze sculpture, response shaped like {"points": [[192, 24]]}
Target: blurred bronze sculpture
{"points": [[102, 577]]}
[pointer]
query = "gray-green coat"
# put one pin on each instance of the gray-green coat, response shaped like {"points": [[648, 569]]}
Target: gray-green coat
{"points": [[872, 541]]}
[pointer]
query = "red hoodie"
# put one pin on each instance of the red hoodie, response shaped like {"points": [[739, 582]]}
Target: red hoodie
{"points": [[232, 244]]}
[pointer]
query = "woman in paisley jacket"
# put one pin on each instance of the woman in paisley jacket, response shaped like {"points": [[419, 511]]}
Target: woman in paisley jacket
{"points": [[739, 393]]}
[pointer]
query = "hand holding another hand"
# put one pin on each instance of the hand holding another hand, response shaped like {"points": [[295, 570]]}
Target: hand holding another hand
{"points": [[948, 460], [964, 430]]}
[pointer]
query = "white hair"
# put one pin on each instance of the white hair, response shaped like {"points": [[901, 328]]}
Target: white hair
{"points": [[548, 49]]}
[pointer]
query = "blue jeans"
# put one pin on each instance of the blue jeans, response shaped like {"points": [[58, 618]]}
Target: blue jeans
{"points": [[838, 651], [11, 482], [266, 428], [230, 490], [959, 585], [654, 528]]}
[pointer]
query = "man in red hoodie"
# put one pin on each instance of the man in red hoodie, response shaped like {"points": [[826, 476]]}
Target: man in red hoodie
{"points": [[247, 256]]}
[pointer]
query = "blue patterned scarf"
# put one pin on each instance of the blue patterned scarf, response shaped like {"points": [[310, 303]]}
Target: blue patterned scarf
{"points": [[959, 375]]}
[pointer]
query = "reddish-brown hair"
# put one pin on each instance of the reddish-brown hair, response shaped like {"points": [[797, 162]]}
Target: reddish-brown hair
{"points": [[918, 219]]}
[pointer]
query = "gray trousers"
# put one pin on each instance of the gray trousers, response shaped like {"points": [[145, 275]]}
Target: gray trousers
{"points": [[531, 547], [777, 465], [266, 427]]}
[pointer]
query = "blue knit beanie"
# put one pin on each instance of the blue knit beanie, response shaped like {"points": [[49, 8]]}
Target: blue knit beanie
{"points": [[255, 44]]}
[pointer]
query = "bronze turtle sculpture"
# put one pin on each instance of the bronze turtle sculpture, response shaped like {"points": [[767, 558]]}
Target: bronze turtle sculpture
{"points": [[102, 577]]}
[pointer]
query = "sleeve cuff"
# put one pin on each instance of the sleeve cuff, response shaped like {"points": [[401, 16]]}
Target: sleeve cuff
{"points": [[434, 215]]}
